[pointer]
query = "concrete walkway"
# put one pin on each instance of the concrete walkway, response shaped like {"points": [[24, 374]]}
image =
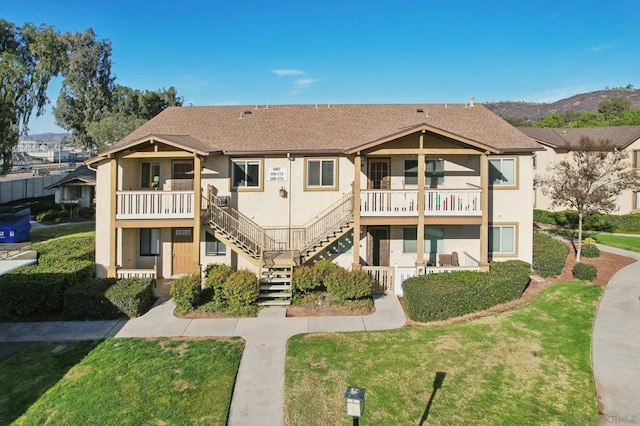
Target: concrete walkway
{"points": [[258, 396], [616, 345]]}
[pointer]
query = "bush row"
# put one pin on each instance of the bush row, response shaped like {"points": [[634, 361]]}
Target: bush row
{"points": [[224, 290], [594, 222], [549, 255], [101, 299], [435, 297], [584, 271], [337, 281]]}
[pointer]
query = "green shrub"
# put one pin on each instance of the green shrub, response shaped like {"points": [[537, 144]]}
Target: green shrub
{"points": [[628, 223], [66, 248], [132, 296], [323, 268], [215, 276], [441, 296], [544, 216], [590, 250], [549, 255], [24, 294], [51, 216], [186, 293], [87, 301], [347, 285], [584, 271], [306, 279], [241, 289], [86, 212]]}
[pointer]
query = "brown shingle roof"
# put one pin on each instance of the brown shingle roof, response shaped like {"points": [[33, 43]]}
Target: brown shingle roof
{"points": [[322, 128], [620, 136]]}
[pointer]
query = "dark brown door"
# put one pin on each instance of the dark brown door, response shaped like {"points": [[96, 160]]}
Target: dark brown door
{"points": [[378, 246], [379, 173], [182, 175]]}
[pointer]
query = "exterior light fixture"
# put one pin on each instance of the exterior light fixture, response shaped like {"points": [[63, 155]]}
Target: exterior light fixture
{"points": [[355, 403], [283, 192]]}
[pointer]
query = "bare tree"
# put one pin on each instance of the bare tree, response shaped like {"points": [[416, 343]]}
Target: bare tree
{"points": [[589, 180]]}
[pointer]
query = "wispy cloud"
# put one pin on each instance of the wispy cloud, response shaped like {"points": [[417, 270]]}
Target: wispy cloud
{"points": [[601, 47], [288, 72], [301, 84]]}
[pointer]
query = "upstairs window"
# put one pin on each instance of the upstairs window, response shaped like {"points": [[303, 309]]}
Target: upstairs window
{"points": [[502, 171], [635, 159], [246, 174], [321, 174], [434, 172], [150, 175]]}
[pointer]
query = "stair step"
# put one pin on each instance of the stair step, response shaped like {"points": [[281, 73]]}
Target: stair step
{"points": [[274, 303], [274, 287], [275, 280], [274, 295]]}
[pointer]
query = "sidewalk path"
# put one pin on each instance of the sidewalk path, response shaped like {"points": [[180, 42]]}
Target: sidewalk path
{"points": [[258, 396], [616, 345]]}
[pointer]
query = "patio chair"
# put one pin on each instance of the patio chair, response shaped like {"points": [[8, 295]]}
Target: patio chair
{"points": [[449, 259]]}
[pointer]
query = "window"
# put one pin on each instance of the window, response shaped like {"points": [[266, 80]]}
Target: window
{"points": [[149, 242], [78, 192], [434, 172], [150, 175], [245, 174], [636, 201], [213, 247], [321, 173], [433, 240], [410, 172], [502, 239], [635, 159], [502, 171]]}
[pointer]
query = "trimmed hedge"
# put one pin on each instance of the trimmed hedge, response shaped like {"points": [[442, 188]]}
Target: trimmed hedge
{"points": [[306, 279], [241, 289], [349, 285], [132, 296], [585, 272], [628, 223], [215, 276], [186, 293], [105, 299], [549, 255], [434, 297]]}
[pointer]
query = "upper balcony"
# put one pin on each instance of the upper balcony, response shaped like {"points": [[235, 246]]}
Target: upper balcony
{"points": [[437, 202], [155, 204]]}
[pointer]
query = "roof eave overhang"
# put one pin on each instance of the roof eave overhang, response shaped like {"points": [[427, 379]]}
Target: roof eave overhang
{"points": [[426, 128], [146, 139], [285, 152]]}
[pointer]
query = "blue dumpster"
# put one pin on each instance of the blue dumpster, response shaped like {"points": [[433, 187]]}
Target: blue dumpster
{"points": [[14, 228]]}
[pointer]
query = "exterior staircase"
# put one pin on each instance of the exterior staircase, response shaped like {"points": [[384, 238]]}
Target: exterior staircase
{"points": [[275, 255]]}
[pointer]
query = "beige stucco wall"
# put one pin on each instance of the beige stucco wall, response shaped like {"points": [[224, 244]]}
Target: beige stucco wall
{"points": [[103, 208], [516, 206]]}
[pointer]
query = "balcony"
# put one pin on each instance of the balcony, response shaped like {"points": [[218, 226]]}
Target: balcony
{"points": [[437, 202], [155, 205]]}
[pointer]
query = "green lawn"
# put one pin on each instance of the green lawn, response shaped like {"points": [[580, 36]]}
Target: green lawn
{"points": [[120, 381], [527, 366], [48, 233], [618, 241]]}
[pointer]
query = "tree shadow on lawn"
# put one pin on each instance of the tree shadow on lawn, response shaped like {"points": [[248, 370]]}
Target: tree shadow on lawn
{"points": [[30, 373]]}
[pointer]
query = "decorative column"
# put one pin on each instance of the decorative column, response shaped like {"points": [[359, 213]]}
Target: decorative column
{"points": [[113, 199], [484, 206], [421, 189], [197, 208], [357, 166]]}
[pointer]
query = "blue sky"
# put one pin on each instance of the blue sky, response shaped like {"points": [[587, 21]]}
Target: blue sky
{"points": [[290, 52]]}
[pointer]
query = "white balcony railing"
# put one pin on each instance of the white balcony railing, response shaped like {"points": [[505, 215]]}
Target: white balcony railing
{"points": [[155, 205], [437, 202]]}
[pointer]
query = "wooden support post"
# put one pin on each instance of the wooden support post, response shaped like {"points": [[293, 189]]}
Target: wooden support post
{"points": [[421, 189], [197, 208], [357, 167], [484, 206], [113, 199]]}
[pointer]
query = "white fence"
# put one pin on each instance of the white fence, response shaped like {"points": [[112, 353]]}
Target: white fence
{"points": [[155, 205], [438, 202]]}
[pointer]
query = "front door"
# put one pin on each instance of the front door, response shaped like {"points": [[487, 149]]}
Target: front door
{"points": [[182, 175], [378, 246], [379, 175], [182, 250]]}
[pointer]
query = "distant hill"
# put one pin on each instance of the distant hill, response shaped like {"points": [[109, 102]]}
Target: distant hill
{"points": [[578, 103], [46, 137]]}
